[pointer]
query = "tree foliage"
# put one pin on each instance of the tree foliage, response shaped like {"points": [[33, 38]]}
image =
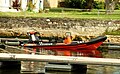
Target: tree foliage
{"points": [[111, 5], [98, 5], [75, 3], [82, 4]]}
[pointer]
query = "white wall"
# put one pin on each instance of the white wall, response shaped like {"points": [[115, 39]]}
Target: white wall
{"points": [[24, 5], [41, 4], [4, 3]]}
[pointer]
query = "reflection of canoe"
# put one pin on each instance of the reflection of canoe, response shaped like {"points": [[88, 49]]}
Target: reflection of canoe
{"points": [[84, 47]]}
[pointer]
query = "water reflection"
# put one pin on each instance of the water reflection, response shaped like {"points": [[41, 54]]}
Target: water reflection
{"points": [[58, 72], [9, 71], [32, 67], [99, 69], [103, 70], [93, 69]]}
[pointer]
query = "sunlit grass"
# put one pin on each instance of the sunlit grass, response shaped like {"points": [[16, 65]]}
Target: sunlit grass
{"points": [[94, 14]]}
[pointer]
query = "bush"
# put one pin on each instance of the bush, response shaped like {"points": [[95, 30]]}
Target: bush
{"points": [[117, 6], [75, 3], [98, 5], [30, 6], [83, 4]]}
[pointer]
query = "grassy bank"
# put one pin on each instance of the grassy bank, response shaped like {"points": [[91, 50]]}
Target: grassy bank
{"points": [[117, 32], [70, 13]]}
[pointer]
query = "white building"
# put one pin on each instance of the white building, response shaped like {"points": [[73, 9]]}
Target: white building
{"points": [[7, 5], [4, 5]]}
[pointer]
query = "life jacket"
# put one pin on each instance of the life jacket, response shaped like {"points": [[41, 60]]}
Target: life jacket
{"points": [[33, 37], [68, 40]]}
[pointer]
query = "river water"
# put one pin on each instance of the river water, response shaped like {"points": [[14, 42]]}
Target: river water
{"points": [[91, 69]]}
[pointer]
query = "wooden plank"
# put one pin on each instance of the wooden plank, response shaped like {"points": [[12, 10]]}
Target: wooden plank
{"points": [[60, 59]]}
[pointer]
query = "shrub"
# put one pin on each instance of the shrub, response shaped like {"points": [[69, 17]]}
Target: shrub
{"points": [[75, 3], [31, 6], [98, 5], [117, 6]]}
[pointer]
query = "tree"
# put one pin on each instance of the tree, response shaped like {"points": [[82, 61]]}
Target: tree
{"points": [[110, 5], [74, 3], [82, 4], [89, 4]]}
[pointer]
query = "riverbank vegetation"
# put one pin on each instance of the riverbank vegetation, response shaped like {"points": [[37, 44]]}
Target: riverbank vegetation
{"points": [[116, 32]]}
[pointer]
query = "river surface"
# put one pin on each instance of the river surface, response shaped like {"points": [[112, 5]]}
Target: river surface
{"points": [[91, 69]]}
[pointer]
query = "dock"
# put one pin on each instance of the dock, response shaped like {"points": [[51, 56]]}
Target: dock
{"points": [[60, 59]]}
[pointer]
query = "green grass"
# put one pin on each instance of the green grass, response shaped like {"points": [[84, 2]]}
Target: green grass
{"points": [[70, 13], [113, 33]]}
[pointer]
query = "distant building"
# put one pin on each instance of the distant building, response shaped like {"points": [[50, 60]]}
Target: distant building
{"points": [[52, 3], [20, 4], [5, 4], [24, 4]]}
